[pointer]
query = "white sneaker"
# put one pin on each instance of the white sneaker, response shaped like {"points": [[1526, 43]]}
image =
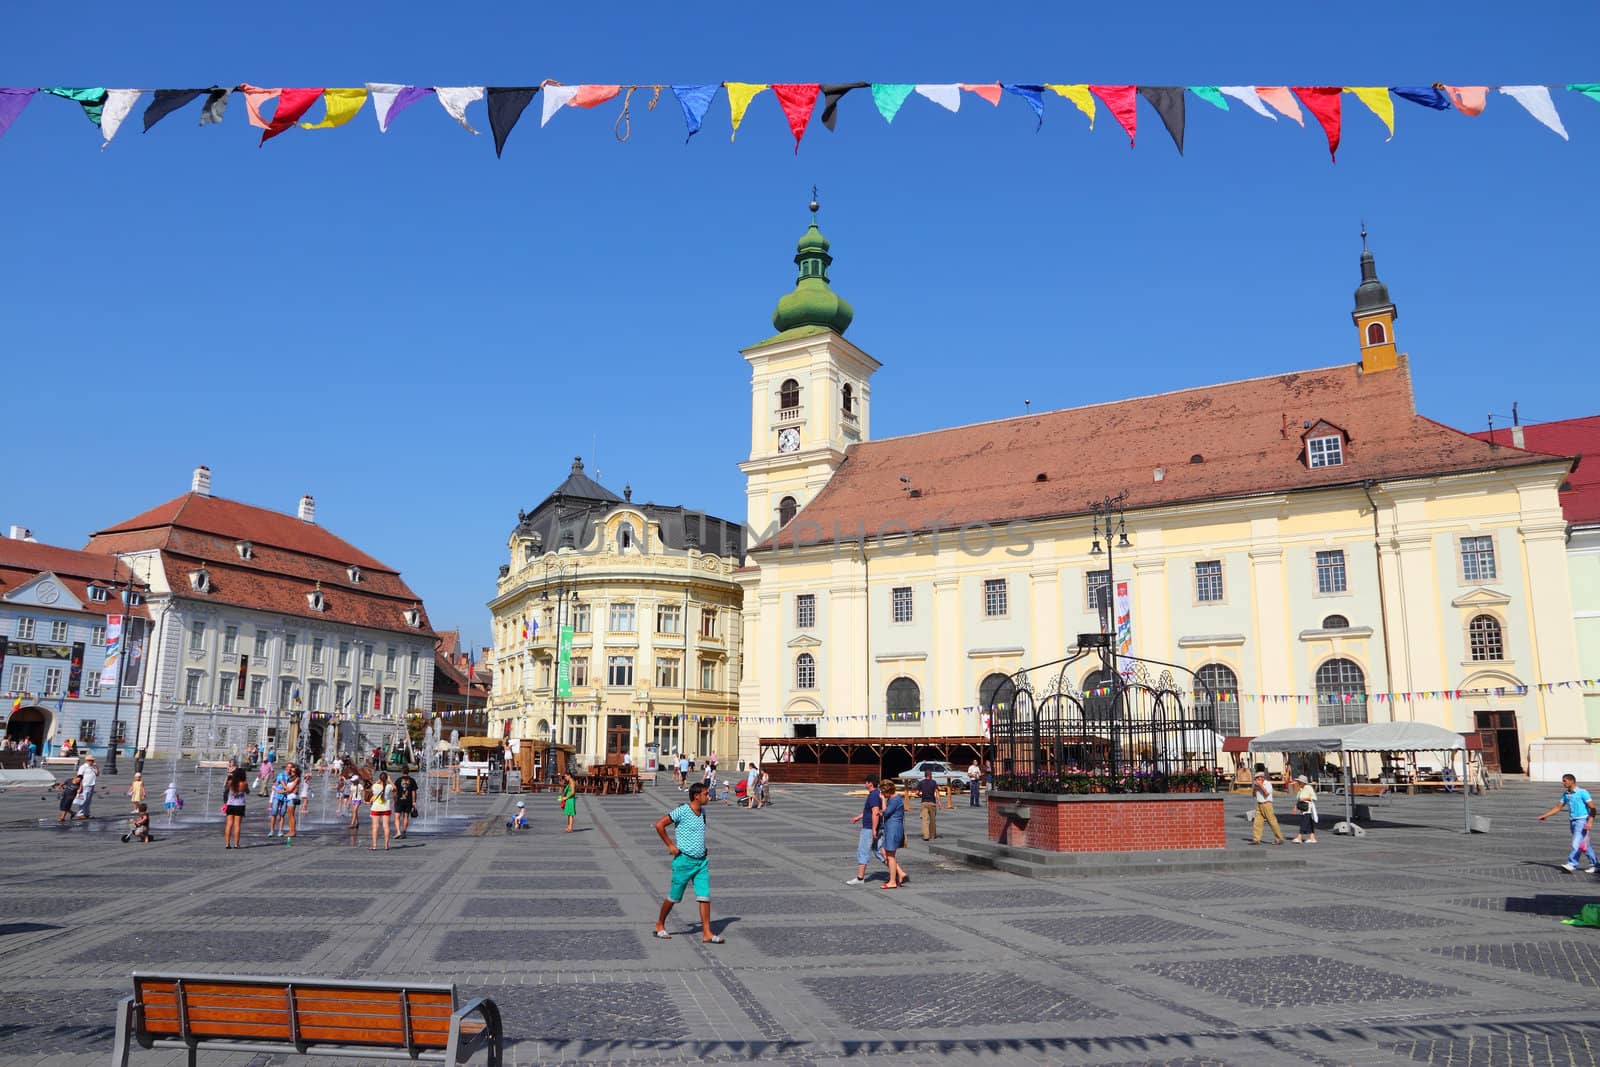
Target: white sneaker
{"points": [[1570, 867], [1590, 870], [855, 881]]}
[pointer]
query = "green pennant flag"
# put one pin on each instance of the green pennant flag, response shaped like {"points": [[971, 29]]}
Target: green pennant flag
{"points": [[889, 97], [1211, 95], [1589, 89], [91, 100]]}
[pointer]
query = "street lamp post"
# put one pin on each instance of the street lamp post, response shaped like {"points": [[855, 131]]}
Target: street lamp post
{"points": [[125, 640], [564, 576], [1110, 524]]}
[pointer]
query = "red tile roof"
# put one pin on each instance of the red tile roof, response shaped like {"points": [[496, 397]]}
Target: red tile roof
{"points": [[1223, 441], [1580, 502], [23, 561], [235, 521]]}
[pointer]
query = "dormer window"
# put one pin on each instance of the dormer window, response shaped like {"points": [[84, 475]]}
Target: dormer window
{"points": [[1325, 451], [132, 599], [625, 536], [245, 549], [529, 552], [413, 618], [354, 572], [316, 600], [98, 594], [200, 580], [567, 540]]}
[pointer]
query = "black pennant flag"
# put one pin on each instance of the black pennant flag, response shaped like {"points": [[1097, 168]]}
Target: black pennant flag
{"points": [[506, 105], [831, 95], [1168, 102], [166, 102]]}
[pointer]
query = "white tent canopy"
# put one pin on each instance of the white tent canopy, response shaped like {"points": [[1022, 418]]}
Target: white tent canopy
{"points": [[1361, 737]]}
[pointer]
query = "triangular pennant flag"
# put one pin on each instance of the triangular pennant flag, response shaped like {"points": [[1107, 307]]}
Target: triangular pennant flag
{"points": [[506, 104], [1034, 96], [342, 107], [594, 95], [889, 96], [1247, 95], [1079, 95], [215, 107], [1120, 99], [119, 102], [990, 92], [1536, 99], [1469, 99], [254, 99], [455, 98], [832, 94], [797, 101], [1589, 89], [946, 96], [556, 97], [1211, 95], [1168, 100], [1282, 101], [739, 96], [694, 100], [165, 102], [1426, 95], [1376, 97], [389, 100], [12, 101], [91, 100], [292, 104], [1323, 102]]}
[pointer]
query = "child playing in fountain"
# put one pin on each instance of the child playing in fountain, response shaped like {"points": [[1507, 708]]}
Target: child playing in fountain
{"points": [[139, 825], [171, 800], [519, 821]]}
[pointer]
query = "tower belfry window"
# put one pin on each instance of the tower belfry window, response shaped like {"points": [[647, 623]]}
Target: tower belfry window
{"points": [[848, 398], [1375, 334], [789, 394]]}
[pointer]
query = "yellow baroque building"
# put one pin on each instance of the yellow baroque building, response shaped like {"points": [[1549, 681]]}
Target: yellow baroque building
{"points": [[1306, 543], [649, 595]]}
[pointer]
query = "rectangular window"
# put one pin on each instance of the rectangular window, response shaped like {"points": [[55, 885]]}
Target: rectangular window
{"points": [[225, 684], [1324, 452], [341, 696], [230, 639], [620, 620], [258, 693], [708, 674], [416, 667], [97, 593], [364, 703], [900, 604], [619, 670], [119, 731], [86, 731], [1097, 589], [285, 694], [1208, 581], [19, 679], [667, 735], [291, 646], [58, 631], [314, 696], [805, 611], [995, 600], [708, 622], [97, 636], [24, 629], [579, 671], [1330, 571], [366, 657], [52, 681], [261, 644], [191, 687], [546, 671], [389, 696], [707, 737], [413, 699], [91, 684], [344, 653], [389, 659], [669, 619], [197, 636], [668, 674], [1477, 559], [576, 733], [317, 645], [578, 617]]}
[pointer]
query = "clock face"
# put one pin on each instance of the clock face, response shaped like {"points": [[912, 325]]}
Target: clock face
{"points": [[789, 440]]}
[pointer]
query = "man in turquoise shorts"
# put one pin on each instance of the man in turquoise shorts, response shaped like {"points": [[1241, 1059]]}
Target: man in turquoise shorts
{"points": [[687, 846]]}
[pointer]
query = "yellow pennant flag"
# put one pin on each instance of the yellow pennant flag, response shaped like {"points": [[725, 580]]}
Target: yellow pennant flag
{"points": [[342, 107], [1078, 94], [739, 96], [1378, 101]]}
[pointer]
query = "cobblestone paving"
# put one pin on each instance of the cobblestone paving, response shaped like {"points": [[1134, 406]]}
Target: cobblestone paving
{"points": [[1412, 945]]}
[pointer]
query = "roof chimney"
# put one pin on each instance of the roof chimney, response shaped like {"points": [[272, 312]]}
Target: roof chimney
{"points": [[201, 485], [308, 510], [21, 533], [1516, 437]]}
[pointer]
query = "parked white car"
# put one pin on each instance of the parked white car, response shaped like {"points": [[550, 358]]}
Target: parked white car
{"points": [[943, 773]]}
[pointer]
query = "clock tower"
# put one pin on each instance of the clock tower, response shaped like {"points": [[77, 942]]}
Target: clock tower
{"points": [[810, 393]]}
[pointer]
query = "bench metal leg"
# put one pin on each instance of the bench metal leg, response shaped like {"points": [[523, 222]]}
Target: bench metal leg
{"points": [[120, 1050]]}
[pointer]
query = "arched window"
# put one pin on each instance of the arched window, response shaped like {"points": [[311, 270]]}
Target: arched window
{"points": [[904, 701], [1485, 638], [994, 691], [625, 535], [1217, 697], [805, 671], [1336, 622], [1099, 695], [849, 396], [789, 395], [1341, 693], [786, 509], [1375, 334]]}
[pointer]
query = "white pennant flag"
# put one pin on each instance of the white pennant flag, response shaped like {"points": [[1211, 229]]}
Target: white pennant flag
{"points": [[1247, 95], [455, 99], [946, 96], [556, 97], [1536, 99], [383, 94], [118, 103]]}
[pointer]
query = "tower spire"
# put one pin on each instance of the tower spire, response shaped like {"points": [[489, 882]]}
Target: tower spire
{"points": [[813, 301], [1374, 315]]}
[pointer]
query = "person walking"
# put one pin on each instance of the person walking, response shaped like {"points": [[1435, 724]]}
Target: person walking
{"points": [[69, 792], [974, 784], [381, 809], [870, 821], [405, 802], [1305, 803], [237, 792], [683, 772], [569, 799], [894, 835], [358, 793], [291, 795], [691, 862], [928, 791], [1580, 809], [90, 775], [1262, 792], [751, 778], [136, 790], [265, 777]]}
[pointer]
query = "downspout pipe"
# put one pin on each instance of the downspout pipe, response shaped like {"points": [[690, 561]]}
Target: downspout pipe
{"points": [[1383, 608]]}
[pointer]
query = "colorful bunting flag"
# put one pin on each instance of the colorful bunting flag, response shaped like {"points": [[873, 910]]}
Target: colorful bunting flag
{"points": [[594, 95], [1168, 100], [831, 95], [1033, 95], [254, 99], [1211, 95], [1376, 97], [1426, 95], [556, 97], [12, 101], [1323, 102], [91, 100], [1079, 95], [455, 98], [292, 104], [215, 107], [119, 102], [165, 102], [1589, 89], [1120, 99], [342, 107], [1247, 95], [1536, 100], [797, 101], [889, 96], [990, 92], [946, 96], [1282, 101], [694, 100], [1469, 99], [739, 96], [389, 100], [506, 104]]}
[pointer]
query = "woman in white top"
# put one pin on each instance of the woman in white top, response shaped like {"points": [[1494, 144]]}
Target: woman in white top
{"points": [[382, 806], [1305, 802]]}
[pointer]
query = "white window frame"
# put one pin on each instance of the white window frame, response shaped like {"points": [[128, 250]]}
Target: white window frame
{"points": [[258, 692], [1208, 587], [996, 593], [197, 636], [902, 604], [622, 617], [25, 628], [53, 677], [1337, 566], [1473, 558], [669, 619], [192, 683], [708, 681], [669, 672], [230, 639], [1325, 451], [709, 622], [619, 671], [58, 631], [805, 611], [99, 594], [805, 671], [97, 635]]}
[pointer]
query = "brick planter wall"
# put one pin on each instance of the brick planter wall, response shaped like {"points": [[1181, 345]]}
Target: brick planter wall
{"points": [[1156, 822]]}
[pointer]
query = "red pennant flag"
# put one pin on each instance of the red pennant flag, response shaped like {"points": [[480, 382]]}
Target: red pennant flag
{"points": [[1323, 102], [989, 92], [1120, 99], [292, 103], [797, 102]]}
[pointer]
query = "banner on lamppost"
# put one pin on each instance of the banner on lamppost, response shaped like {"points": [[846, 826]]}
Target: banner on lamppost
{"points": [[1124, 608], [564, 664], [108, 674], [75, 671]]}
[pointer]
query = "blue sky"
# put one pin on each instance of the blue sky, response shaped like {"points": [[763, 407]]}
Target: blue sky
{"points": [[422, 336]]}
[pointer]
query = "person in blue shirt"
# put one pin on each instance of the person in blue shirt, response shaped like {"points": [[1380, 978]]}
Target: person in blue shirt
{"points": [[690, 863], [1579, 806], [894, 834], [871, 819]]}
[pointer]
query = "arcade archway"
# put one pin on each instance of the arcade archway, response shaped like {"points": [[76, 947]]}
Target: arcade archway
{"points": [[30, 724]]}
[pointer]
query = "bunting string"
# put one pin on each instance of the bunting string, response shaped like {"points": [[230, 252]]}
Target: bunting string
{"points": [[797, 101]]}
